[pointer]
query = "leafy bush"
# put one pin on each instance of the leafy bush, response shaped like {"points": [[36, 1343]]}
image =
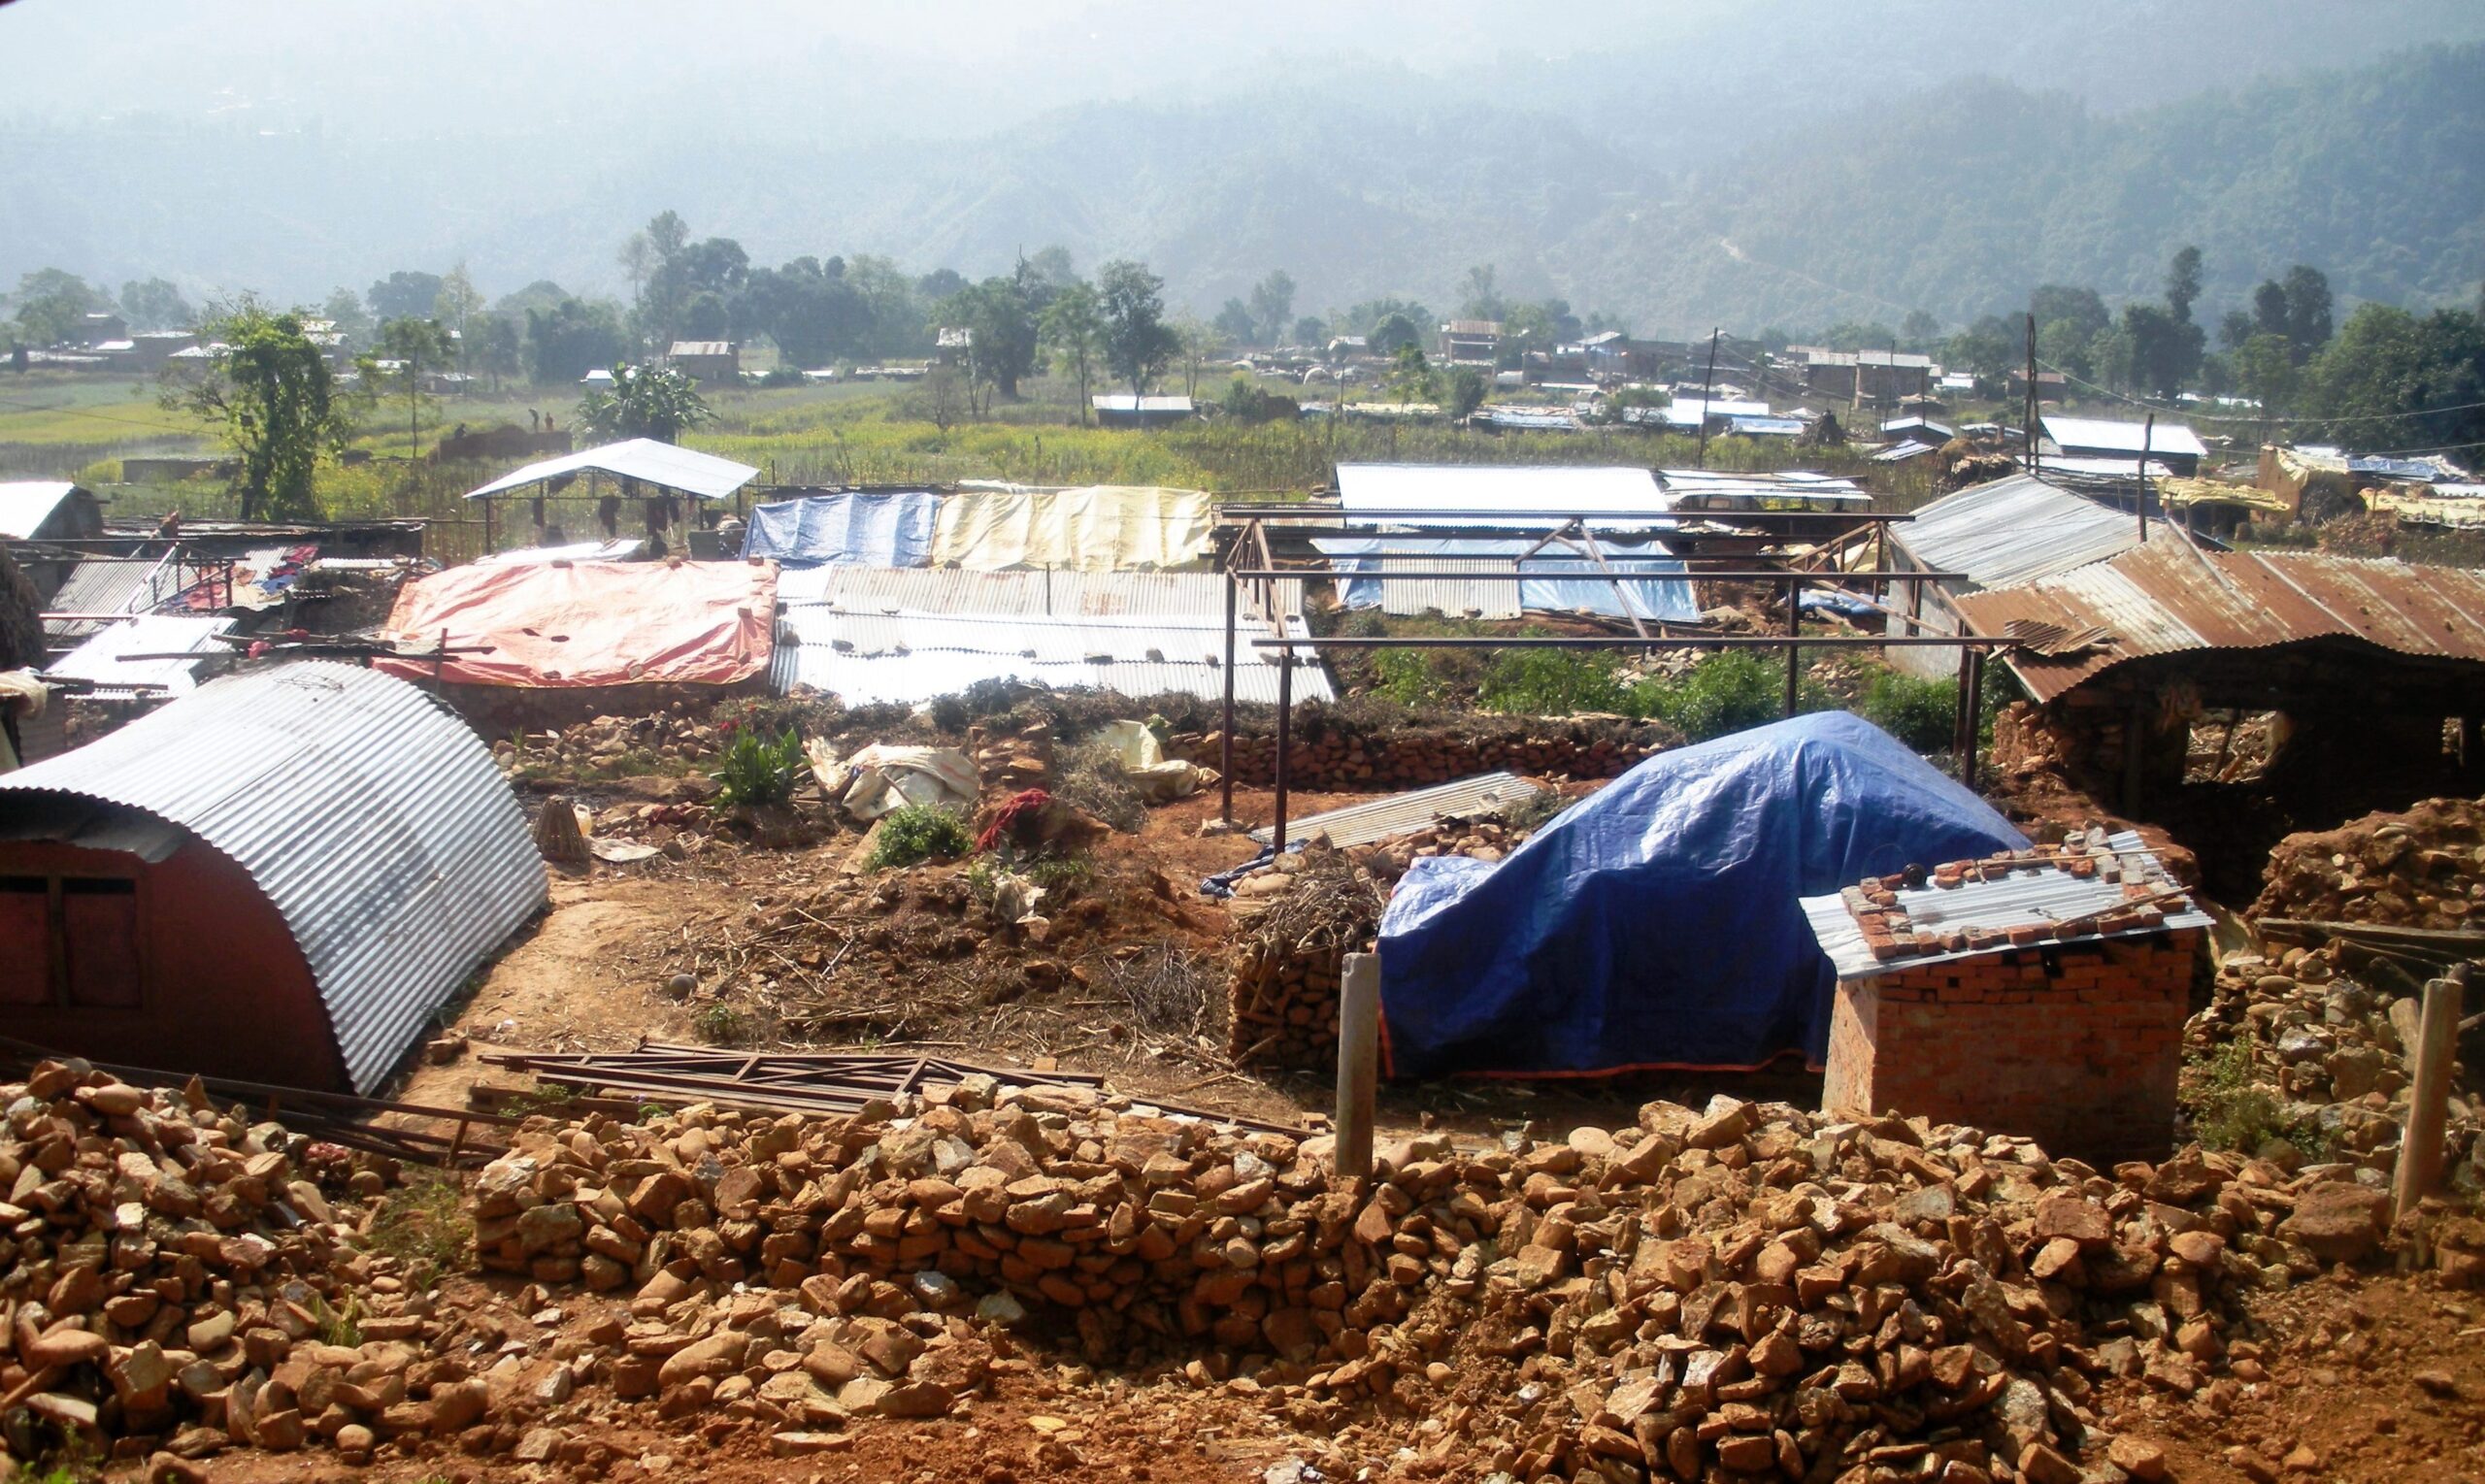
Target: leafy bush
{"points": [[1919, 712], [723, 1025], [1729, 691], [782, 375], [918, 832], [1552, 682], [1407, 676], [757, 769], [2233, 1111]]}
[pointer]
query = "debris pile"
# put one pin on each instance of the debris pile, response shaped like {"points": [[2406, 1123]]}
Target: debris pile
{"points": [[1299, 920], [177, 1273], [1328, 751], [1746, 1288], [614, 746], [2423, 869]]}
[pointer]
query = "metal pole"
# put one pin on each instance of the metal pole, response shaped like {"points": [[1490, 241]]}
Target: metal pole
{"points": [[1975, 718], [1225, 746], [1286, 741], [1358, 1062], [2029, 432], [2147, 437], [1793, 630], [1707, 383]]}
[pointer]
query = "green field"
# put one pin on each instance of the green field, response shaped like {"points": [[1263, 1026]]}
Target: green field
{"points": [[62, 426]]}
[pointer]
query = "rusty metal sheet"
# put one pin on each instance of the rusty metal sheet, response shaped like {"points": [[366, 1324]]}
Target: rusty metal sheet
{"points": [[2170, 597]]}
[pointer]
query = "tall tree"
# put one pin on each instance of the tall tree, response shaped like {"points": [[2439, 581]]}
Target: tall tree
{"points": [[494, 343], [155, 305], [2183, 282], [1482, 299], [571, 338], [1138, 342], [275, 401], [1073, 330], [2080, 307], [2309, 310], [808, 309], [1236, 322], [458, 301], [415, 348], [2396, 382], [1002, 322], [404, 294], [52, 303], [1273, 304], [668, 234], [637, 259], [344, 310]]}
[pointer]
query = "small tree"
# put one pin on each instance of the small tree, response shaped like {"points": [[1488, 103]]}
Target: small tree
{"points": [[1465, 393], [416, 346], [274, 401], [1073, 330], [1410, 376], [655, 402]]}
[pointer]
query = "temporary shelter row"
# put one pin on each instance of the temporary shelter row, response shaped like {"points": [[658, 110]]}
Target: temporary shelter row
{"points": [[1614, 497], [1092, 528]]}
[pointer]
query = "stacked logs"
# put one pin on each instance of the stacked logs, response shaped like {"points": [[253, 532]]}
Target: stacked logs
{"points": [[1300, 918]]}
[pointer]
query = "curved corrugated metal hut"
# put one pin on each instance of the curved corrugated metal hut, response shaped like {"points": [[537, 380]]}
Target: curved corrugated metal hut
{"points": [[278, 876]]}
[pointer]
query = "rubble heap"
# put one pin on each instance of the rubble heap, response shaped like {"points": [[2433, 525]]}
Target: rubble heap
{"points": [[613, 746], [174, 1271], [2336, 1053], [1749, 1287], [2423, 869], [1332, 750]]}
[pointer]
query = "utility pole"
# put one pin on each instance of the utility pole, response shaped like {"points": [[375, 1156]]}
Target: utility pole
{"points": [[1700, 460], [2148, 438], [2029, 432]]}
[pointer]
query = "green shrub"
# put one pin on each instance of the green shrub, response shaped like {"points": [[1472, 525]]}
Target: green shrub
{"points": [[918, 832], [757, 769], [424, 1225], [1407, 676], [2233, 1111], [1919, 712], [1725, 692], [1552, 682], [723, 1025]]}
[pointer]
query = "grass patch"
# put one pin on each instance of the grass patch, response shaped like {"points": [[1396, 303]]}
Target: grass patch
{"points": [[918, 832], [1552, 682], [2236, 1112], [423, 1224]]}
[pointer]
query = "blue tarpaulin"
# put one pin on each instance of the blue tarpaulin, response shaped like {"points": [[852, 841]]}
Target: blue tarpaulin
{"points": [[852, 529], [1655, 924], [1557, 581]]}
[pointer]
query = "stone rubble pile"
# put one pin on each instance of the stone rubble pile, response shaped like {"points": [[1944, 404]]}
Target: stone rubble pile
{"points": [[1746, 1288], [174, 1272], [675, 735], [2423, 869]]}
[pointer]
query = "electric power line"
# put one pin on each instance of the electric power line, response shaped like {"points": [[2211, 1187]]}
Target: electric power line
{"points": [[2258, 422]]}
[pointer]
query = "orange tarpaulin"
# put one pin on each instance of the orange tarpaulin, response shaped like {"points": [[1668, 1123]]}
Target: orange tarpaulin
{"points": [[592, 623]]}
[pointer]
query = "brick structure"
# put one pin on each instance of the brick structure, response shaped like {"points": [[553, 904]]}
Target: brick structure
{"points": [[2077, 1045]]}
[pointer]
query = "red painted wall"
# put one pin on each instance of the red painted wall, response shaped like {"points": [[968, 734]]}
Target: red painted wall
{"points": [[222, 988]]}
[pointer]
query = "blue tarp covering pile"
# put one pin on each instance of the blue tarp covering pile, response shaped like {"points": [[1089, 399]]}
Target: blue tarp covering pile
{"points": [[1555, 591], [853, 529], [1655, 924]]}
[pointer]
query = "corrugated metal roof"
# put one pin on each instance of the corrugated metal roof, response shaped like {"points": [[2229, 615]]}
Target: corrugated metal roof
{"points": [[25, 505], [1558, 581], [2039, 896], [626, 549], [1451, 597], [2170, 597], [105, 586], [666, 464], [2014, 530], [1719, 489], [911, 657], [2099, 435], [1066, 594], [1371, 492], [370, 815], [1361, 824], [99, 659]]}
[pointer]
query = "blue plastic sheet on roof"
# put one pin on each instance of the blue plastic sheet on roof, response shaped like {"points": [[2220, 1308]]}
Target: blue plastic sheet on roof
{"points": [[850, 529], [1552, 592], [1655, 924]]}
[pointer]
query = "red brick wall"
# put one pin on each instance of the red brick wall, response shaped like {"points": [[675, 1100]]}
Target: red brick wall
{"points": [[2076, 1046]]}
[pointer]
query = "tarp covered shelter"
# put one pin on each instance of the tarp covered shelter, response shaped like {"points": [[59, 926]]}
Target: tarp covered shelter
{"points": [[281, 877], [1656, 924], [577, 624], [1556, 579], [1092, 528], [665, 466], [863, 528]]}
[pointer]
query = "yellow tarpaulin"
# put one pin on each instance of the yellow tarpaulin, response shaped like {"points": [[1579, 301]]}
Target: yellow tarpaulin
{"points": [[1094, 528], [2178, 493], [2420, 505]]}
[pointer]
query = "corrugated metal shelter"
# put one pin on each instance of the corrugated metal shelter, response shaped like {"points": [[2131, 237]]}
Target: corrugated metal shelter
{"points": [[867, 634], [1622, 498], [1558, 581], [48, 509], [1091, 528], [867, 528], [1718, 489], [2006, 532], [104, 660], [280, 877], [2171, 599], [664, 466], [2177, 446]]}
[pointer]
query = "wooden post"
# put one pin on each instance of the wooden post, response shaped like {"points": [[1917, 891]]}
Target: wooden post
{"points": [[2420, 1145], [1225, 746], [1285, 744], [1793, 630], [1358, 1062], [2147, 437]]}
